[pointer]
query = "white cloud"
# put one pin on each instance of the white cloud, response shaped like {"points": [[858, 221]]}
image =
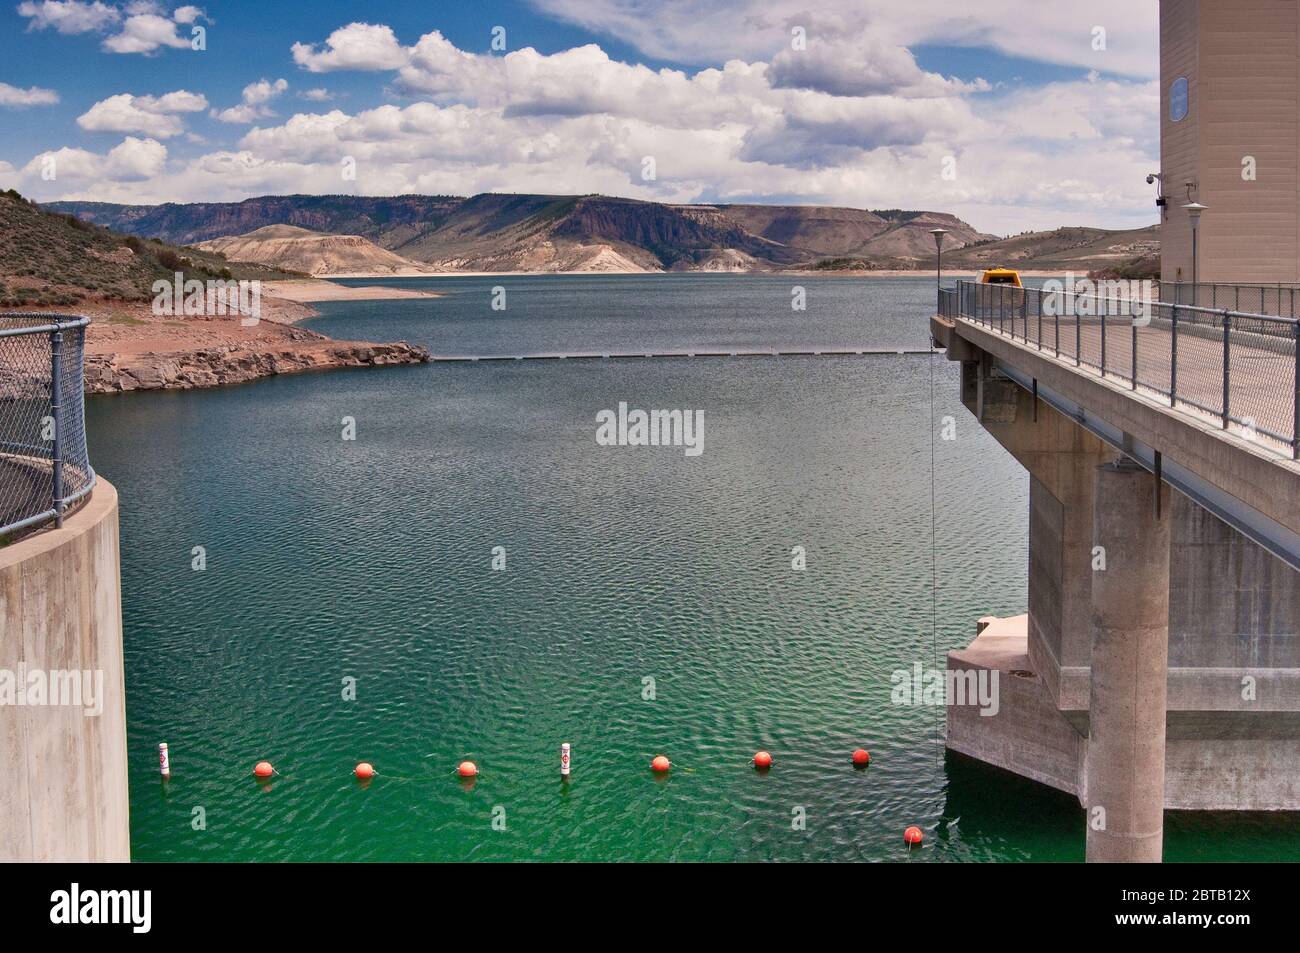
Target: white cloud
{"points": [[146, 32], [847, 65], [867, 128], [155, 115], [579, 81], [1107, 111], [135, 159], [357, 46], [132, 160], [145, 25], [317, 95], [1061, 33], [253, 103], [255, 94], [32, 96], [68, 16], [181, 101]]}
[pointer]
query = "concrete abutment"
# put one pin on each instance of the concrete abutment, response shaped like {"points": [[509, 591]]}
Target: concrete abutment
{"points": [[63, 752]]}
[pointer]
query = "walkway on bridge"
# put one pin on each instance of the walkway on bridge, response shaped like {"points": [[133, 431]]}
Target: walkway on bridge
{"points": [[1237, 369]]}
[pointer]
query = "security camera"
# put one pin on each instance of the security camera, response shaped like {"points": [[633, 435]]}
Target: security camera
{"points": [[1152, 179]]}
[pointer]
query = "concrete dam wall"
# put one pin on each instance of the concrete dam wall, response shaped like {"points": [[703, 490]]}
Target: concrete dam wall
{"points": [[62, 700]]}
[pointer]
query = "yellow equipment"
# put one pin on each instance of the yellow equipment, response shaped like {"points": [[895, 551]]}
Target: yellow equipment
{"points": [[1001, 276]]}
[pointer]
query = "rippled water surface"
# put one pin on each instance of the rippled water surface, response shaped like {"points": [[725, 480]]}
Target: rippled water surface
{"points": [[628, 569]]}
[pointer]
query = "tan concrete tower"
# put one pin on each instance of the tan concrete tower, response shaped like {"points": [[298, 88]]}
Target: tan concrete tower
{"points": [[1229, 137]]}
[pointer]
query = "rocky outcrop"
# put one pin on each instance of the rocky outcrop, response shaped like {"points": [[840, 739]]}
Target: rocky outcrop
{"points": [[213, 367]]}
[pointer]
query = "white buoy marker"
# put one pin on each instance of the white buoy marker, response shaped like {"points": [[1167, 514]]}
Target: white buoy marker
{"points": [[564, 760], [164, 761]]}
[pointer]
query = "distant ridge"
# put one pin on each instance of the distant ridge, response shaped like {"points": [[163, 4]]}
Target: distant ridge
{"points": [[1134, 252], [506, 232]]}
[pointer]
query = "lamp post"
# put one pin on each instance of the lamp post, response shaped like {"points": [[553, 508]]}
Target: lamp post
{"points": [[1194, 210], [938, 234]]}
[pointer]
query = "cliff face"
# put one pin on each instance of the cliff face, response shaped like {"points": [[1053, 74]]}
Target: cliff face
{"points": [[671, 233], [187, 224], [821, 231], [502, 232]]}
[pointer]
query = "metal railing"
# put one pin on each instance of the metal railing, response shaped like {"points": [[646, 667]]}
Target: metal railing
{"points": [[44, 464], [1239, 367], [1276, 298]]}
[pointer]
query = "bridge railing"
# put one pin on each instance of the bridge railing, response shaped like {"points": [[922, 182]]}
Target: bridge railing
{"points": [[948, 302], [1239, 367], [44, 463], [1277, 298]]}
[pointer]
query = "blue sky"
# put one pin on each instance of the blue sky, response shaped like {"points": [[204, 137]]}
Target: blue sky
{"points": [[258, 35], [861, 103]]}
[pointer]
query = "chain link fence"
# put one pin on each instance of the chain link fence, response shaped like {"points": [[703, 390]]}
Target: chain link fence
{"points": [[1278, 298], [1238, 367], [44, 464]]}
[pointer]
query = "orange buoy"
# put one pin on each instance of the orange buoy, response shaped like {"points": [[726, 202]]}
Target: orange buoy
{"points": [[467, 769], [913, 835], [365, 770], [263, 769], [660, 764], [861, 758], [762, 760]]}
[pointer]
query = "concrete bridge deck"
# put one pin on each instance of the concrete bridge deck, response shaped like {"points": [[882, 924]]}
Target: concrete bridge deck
{"points": [[1240, 473], [1261, 381]]}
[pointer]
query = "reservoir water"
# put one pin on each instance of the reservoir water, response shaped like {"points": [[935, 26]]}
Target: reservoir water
{"points": [[648, 603]]}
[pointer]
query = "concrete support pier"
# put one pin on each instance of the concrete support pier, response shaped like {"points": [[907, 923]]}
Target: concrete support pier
{"points": [[1125, 767], [63, 797]]}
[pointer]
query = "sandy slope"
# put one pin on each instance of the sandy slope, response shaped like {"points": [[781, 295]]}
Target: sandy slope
{"points": [[312, 253], [309, 290]]}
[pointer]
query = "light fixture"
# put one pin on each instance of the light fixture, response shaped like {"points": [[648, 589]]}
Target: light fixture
{"points": [[938, 234], [1194, 210]]}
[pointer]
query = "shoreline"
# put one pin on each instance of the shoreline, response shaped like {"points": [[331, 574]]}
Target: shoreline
{"points": [[307, 291], [129, 348]]}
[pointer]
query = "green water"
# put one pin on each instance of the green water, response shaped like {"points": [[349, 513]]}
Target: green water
{"points": [[372, 560]]}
